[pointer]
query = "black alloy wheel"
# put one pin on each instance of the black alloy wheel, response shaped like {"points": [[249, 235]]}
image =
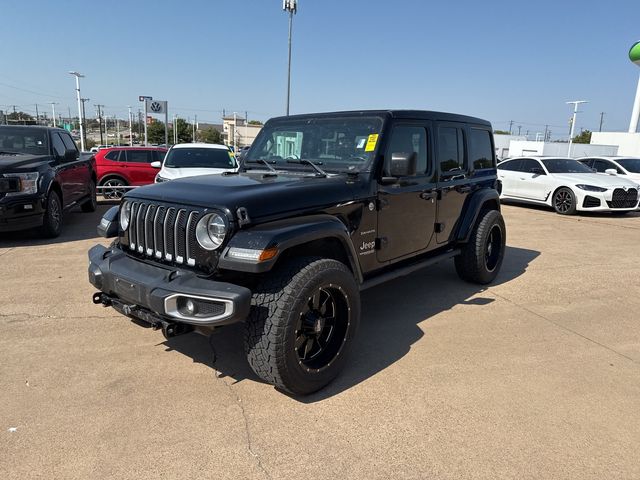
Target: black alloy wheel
{"points": [[493, 251], [52, 220], [322, 327], [112, 188], [564, 201]]}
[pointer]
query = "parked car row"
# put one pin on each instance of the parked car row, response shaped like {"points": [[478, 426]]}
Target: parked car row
{"points": [[595, 184]]}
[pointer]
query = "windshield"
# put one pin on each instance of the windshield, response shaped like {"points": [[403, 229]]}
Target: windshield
{"points": [[630, 164], [565, 165], [199, 158], [24, 140], [339, 144]]}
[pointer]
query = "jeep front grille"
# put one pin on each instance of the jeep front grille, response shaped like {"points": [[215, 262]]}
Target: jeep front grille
{"points": [[163, 233], [622, 199]]}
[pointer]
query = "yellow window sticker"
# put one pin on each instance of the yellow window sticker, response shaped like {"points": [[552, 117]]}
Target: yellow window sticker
{"points": [[371, 142]]}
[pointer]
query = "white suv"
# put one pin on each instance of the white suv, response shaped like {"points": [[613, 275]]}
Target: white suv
{"points": [[192, 159]]}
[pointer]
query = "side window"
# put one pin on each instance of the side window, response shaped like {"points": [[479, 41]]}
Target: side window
{"points": [[588, 162], [138, 156], [602, 165], [408, 139], [527, 165], [58, 145], [68, 142], [450, 149], [510, 165], [480, 150], [113, 155]]}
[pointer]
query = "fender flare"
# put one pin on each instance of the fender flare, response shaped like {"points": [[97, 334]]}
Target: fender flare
{"points": [[472, 210], [286, 234]]}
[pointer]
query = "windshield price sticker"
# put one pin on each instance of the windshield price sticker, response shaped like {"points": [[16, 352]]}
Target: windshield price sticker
{"points": [[371, 142]]}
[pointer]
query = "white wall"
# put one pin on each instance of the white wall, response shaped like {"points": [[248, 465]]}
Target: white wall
{"points": [[520, 148], [502, 142], [628, 143]]}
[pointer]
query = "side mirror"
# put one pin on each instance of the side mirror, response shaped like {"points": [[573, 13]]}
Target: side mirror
{"points": [[70, 155], [611, 171], [403, 164], [156, 164], [108, 226], [537, 171]]}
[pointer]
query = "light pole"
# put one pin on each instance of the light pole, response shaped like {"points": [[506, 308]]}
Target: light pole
{"points": [[130, 127], [575, 104], [53, 107], [290, 6], [634, 56], [83, 117], [78, 77]]}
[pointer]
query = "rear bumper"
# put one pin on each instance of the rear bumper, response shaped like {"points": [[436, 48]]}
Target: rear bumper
{"points": [[154, 294], [21, 212]]}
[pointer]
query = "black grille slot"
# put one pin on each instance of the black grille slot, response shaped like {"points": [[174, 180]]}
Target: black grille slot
{"points": [[169, 234], [622, 199], [158, 232], [133, 239], [181, 244], [142, 210], [192, 221], [590, 202], [148, 229]]}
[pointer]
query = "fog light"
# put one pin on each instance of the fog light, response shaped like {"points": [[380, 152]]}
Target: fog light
{"points": [[190, 307]]}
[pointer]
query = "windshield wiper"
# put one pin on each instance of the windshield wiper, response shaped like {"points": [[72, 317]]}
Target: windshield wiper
{"points": [[7, 152], [265, 162], [314, 165]]}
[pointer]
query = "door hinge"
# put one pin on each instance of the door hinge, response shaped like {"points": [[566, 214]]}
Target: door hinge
{"points": [[381, 242], [439, 227]]}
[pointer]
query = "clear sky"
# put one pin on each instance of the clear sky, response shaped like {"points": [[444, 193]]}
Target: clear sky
{"points": [[501, 61]]}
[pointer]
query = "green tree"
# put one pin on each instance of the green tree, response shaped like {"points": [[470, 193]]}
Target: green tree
{"points": [[583, 137], [184, 129], [254, 122], [210, 135], [155, 132], [19, 117], [501, 132]]}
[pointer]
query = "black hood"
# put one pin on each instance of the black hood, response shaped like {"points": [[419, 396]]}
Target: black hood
{"points": [[22, 162], [261, 195]]}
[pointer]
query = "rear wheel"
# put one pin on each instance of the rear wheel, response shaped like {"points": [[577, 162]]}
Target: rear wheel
{"points": [[481, 258], [564, 201], [302, 323], [52, 220], [112, 188], [91, 204]]}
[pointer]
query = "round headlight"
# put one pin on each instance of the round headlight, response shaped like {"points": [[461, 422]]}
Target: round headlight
{"points": [[210, 231], [125, 215]]}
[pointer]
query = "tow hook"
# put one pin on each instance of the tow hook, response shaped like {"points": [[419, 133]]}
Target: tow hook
{"points": [[100, 298], [170, 329]]}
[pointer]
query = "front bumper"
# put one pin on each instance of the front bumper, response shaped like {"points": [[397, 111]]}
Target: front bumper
{"points": [[21, 212], [155, 294]]}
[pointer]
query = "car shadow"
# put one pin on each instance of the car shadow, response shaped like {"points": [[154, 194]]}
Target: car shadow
{"points": [[77, 225], [544, 208], [391, 313]]}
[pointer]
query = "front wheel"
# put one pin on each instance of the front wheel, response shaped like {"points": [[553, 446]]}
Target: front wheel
{"points": [[92, 204], [564, 201], [481, 258], [302, 323], [52, 220]]}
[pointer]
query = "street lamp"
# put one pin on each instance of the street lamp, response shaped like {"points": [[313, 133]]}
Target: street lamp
{"points": [[53, 107], [290, 6], [575, 104], [78, 76]]}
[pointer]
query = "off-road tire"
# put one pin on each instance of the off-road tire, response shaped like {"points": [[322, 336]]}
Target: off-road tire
{"points": [[278, 306], [479, 262], [52, 219], [92, 203], [564, 201]]}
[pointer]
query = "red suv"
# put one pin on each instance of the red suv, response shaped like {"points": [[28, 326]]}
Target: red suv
{"points": [[120, 167]]}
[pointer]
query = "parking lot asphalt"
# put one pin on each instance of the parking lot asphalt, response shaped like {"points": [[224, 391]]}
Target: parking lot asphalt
{"points": [[534, 377]]}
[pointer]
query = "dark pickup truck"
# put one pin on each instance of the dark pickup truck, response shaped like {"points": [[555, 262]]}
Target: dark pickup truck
{"points": [[42, 174]]}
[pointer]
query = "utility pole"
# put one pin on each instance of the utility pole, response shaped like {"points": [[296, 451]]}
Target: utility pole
{"points": [[117, 129], [53, 108], [83, 128], [546, 129], [235, 129], [291, 7], [575, 104], [175, 129], [130, 127], [99, 108], [193, 138], [78, 77], [510, 126], [601, 115], [519, 128], [37, 115], [139, 124]]}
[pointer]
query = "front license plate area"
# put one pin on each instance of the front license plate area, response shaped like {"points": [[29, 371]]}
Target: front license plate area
{"points": [[128, 291]]}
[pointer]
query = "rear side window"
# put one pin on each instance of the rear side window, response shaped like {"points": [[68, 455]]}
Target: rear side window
{"points": [[450, 149], [158, 156], [480, 149], [510, 165], [139, 156], [68, 142], [113, 155], [528, 165]]}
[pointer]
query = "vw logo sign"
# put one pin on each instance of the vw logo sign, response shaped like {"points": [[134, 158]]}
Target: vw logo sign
{"points": [[156, 107]]}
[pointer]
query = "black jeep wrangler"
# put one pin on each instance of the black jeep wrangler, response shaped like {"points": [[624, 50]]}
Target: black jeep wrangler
{"points": [[42, 174], [325, 205]]}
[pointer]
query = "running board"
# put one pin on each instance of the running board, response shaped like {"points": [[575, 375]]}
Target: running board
{"points": [[404, 271]]}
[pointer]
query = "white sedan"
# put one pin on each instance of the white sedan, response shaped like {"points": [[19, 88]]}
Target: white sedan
{"points": [[193, 159], [566, 185], [627, 167]]}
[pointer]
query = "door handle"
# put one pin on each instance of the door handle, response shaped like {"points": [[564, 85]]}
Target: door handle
{"points": [[465, 189], [429, 195]]}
